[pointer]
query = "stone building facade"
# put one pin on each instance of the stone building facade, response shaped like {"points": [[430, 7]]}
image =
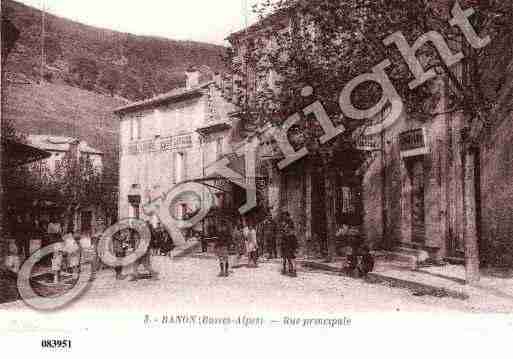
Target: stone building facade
{"points": [[59, 146], [170, 139], [427, 185], [413, 190], [315, 191]]}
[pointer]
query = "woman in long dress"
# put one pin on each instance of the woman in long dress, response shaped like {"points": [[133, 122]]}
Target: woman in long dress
{"points": [[251, 244]]}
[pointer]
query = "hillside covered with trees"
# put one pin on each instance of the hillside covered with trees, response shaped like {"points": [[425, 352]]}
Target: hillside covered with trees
{"points": [[100, 60]]}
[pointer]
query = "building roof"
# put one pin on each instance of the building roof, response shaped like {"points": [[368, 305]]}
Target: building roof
{"points": [[213, 128], [166, 98], [60, 144], [262, 23], [17, 154]]}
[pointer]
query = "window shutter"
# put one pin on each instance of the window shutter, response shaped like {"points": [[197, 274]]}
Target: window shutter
{"points": [[173, 166], [139, 127], [184, 164]]}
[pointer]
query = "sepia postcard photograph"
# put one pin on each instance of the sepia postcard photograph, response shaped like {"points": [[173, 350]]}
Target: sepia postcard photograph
{"points": [[251, 178]]}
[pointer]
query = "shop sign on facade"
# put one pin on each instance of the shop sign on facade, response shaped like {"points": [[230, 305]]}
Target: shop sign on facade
{"points": [[413, 143], [174, 143]]}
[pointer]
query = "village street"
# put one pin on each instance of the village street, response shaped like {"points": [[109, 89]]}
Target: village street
{"points": [[191, 285]]}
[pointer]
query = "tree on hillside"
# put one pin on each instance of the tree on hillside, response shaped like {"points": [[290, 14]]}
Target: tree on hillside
{"points": [[10, 35], [85, 70], [131, 88], [166, 82], [109, 79], [52, 49], [149, 86]]}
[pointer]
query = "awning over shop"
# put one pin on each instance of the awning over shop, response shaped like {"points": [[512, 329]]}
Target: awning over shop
{"points": [[17, 154]]}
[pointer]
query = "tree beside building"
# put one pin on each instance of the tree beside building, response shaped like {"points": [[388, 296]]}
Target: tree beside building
{"points": [[419, 189]]}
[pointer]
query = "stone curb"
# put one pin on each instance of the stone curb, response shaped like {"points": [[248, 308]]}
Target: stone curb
{"points": [[418, 289]]}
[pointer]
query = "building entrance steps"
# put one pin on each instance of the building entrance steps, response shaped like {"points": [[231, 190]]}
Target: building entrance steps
{"points": [[438, 280]]}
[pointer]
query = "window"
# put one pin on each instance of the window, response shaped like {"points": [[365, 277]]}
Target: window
{"points": [[135, 128], [219, 148], [158, 122], [180, 167], [139, 127]]}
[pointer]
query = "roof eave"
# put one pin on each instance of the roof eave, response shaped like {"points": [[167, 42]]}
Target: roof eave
{"points": [[153, 102]]}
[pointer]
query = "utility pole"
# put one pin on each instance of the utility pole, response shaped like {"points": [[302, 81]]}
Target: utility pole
{"points": [[42, 41]]}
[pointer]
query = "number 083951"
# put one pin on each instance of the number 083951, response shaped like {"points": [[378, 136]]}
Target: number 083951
{"points": [[56, 343]]}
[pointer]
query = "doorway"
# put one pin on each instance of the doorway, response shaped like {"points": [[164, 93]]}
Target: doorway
{"points": [[418, 222]]}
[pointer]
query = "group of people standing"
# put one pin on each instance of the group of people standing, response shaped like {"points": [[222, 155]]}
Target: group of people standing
{"points": [[254, 240], [31, 234]]}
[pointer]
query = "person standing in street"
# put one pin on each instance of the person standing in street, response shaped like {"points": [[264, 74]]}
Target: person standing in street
{"points": [[250, 236], [155, 245], [260, 235], [22, 236], [54, 230], [165, 240], [238, 240], [289, 245], [144, 260], [270, 230], [223, 242], [72, 252], [120, 245], [95, 239]]}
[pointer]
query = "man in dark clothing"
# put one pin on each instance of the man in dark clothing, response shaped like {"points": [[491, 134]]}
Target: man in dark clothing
{"points": [[165, 240], [120, 245], [269, 234], [145, 260], [260, 234], [155, 240], [223, 242], [289, 245], [361, 261]]}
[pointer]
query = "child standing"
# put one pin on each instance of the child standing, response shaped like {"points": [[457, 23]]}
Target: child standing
{"points": [[289, 245]]}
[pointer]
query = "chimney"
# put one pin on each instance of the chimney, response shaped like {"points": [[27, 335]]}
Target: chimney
{"points": [[193, 76], [74, 149]]}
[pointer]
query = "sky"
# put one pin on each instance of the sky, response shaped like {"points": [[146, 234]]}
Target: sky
{"points": [[198, 20]]}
